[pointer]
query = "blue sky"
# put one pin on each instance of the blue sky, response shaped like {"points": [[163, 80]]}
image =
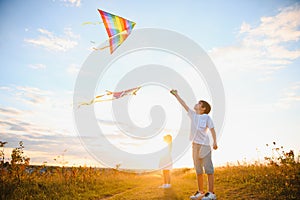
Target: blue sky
{"points": [[254, 45]]}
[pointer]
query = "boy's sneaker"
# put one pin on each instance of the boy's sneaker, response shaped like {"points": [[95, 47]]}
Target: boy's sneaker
{"points": [[209, 196], [197, 195]]}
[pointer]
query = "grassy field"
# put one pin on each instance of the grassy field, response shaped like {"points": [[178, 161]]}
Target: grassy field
{"points": [[232, 182], [279, 178]]}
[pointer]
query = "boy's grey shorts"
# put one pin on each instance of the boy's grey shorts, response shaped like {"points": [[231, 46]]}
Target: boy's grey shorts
{"points": [[202, 159]]}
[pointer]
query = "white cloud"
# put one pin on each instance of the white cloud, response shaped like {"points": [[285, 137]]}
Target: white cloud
{"points": [[29, 95], [37, 66], [68, 32], [283, 27], [47, 108], [245, 27], [41, 147], [72, 3], [34, 90], [290, 96], [73, 69], [5, 88], [267, 48], [44, 123], [32, 95], [52, 42], [9, 111], [12, 126]]}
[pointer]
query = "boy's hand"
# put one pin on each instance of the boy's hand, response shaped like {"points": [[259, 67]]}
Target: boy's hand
{"points": [[174, 92], [215, 146]]}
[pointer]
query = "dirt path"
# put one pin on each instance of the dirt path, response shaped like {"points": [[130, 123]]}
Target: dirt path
{"points": [[149, 189]]}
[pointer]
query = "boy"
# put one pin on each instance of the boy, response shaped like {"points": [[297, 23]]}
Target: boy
{"points": [[200, 123]]}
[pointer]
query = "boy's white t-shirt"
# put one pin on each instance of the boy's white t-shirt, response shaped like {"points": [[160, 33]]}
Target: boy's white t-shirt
{"points": [[200, 124]]}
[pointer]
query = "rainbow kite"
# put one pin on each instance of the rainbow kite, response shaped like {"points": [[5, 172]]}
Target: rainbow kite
{"points": [[117, 29], [109, 96]]}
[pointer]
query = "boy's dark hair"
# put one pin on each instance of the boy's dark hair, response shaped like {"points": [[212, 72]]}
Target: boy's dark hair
{"points": [[206, 106]]}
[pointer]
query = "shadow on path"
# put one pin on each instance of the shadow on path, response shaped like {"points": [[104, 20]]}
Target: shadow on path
{"points": [[169, 194]]}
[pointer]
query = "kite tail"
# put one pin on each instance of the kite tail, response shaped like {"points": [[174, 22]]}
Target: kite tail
{"points": [[100, 96], [85, 103], [101, 48], [108, 92]]}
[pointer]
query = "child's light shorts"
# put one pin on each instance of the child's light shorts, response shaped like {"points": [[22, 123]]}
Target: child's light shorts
{"points": [[202, 159]]}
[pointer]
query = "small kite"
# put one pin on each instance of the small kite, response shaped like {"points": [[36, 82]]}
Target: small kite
{"points": [[109, 96]]}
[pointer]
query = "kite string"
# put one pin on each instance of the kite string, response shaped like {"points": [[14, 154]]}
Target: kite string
{"points": [[91, 23]]}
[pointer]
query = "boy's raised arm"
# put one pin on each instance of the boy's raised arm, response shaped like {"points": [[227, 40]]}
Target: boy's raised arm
{"points": [[175, 93]]}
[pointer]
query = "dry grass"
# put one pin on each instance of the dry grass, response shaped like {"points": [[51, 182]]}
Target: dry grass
{"points": [[280, 179], [235, 182]]}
